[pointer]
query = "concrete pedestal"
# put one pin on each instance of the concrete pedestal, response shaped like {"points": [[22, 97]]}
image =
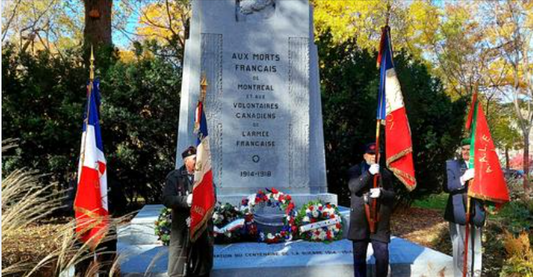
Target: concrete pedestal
{"points": [[142, 255]]}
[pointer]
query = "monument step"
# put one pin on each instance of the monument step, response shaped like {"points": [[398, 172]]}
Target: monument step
{"points": [[142, 255], [138, 234], [296, 258]]}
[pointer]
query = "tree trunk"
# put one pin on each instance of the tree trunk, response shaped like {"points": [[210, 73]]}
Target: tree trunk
{"points": [[526, 163], [506, 157], [97, 23]]}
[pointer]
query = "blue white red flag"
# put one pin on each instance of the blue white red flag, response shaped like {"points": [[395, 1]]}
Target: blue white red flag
{"points": [[391, 108], [90, 204], [203, 200]]}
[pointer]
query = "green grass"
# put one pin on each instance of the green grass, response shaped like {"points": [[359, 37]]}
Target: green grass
{"points": [[434, 201]]}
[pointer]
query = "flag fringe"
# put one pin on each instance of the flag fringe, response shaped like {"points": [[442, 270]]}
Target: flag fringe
{"points": [[393, 158], [486, 198], [87, 212], [403, 177]]}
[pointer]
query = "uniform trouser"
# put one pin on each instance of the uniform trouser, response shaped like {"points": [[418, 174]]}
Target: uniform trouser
{"points": [[458, 234], [176, 261], [381, 253], [176, 266]]}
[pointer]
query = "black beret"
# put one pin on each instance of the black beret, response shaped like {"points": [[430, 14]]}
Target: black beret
{"points": [[191, 150], [370, 148]]}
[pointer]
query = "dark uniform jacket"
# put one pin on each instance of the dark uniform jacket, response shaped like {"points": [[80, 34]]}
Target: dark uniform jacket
{"points": [[361, 181], [200, 253], [456, 207]]}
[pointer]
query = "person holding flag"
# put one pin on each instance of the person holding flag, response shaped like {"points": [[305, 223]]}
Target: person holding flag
{"points": [[177, 195], [189, 192], [371, 205], [361, 194], [458, 174], [474, 180]]}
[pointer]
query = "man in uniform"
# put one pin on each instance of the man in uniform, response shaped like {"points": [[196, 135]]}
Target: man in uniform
{"points": [[360, 184], [458, 174], [186, 258]]}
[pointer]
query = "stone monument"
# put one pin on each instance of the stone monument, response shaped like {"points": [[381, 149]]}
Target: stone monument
{"points": [[263, 102], [264, 118]]}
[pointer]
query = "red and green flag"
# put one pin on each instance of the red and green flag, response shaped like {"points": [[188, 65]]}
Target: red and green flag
{"points": [[489, 183]]}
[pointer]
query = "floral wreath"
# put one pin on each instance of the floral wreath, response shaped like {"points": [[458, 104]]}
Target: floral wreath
{"points": [[163, 225], [319, 221], [272, 198], [228, 223]]}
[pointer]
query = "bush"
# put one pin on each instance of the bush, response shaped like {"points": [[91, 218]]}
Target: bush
{"points": [[350, 81], [140, 111], [43, 99], [42, 102], [507, 250], [519, 216], [519, 260]]}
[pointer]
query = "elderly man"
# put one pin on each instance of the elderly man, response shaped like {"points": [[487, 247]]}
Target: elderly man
{"points": [[185, 258], [360, 184], [458, 175]]}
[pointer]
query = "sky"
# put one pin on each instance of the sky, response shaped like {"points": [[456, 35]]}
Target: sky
{"points": [[122, 40]]}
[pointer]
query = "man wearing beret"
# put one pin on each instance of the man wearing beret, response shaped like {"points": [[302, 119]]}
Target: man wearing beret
{"points": [[361, 178], [458, 174], [185, 258]]}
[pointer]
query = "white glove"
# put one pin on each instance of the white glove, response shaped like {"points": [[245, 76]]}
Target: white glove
{"points": [[189, 199], [374, 169], [469, 174], [188, 221], [375, 192]]}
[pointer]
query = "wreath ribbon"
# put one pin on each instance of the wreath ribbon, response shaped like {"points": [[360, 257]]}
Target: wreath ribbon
{"points": [[235, 224], [320, 224]]}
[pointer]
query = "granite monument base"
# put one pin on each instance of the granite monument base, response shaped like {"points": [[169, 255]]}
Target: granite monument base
{"points": [[142, 255]]}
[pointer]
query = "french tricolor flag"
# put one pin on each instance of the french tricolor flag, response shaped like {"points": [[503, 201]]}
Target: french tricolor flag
{"points": [[90, 205], [391, 108], [203, 200]]}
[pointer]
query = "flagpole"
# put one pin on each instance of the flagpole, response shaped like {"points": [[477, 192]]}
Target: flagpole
{"points": [[86, 122], [373, 213], [388, 13], [471, 115], [90, 88], [371, 209], [467, 229]]}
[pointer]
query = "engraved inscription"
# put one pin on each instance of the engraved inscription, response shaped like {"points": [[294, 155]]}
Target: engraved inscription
{"points": [[299, 127]]}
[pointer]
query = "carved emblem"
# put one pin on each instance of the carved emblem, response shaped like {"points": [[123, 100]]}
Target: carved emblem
{"points": [[254, 10]]}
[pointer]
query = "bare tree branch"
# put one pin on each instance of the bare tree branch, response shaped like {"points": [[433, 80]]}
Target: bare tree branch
{"points": [[6, 28]]}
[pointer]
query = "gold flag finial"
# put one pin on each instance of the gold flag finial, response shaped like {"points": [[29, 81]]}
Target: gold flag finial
{"points": [[203, 85], [91, 67]]}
